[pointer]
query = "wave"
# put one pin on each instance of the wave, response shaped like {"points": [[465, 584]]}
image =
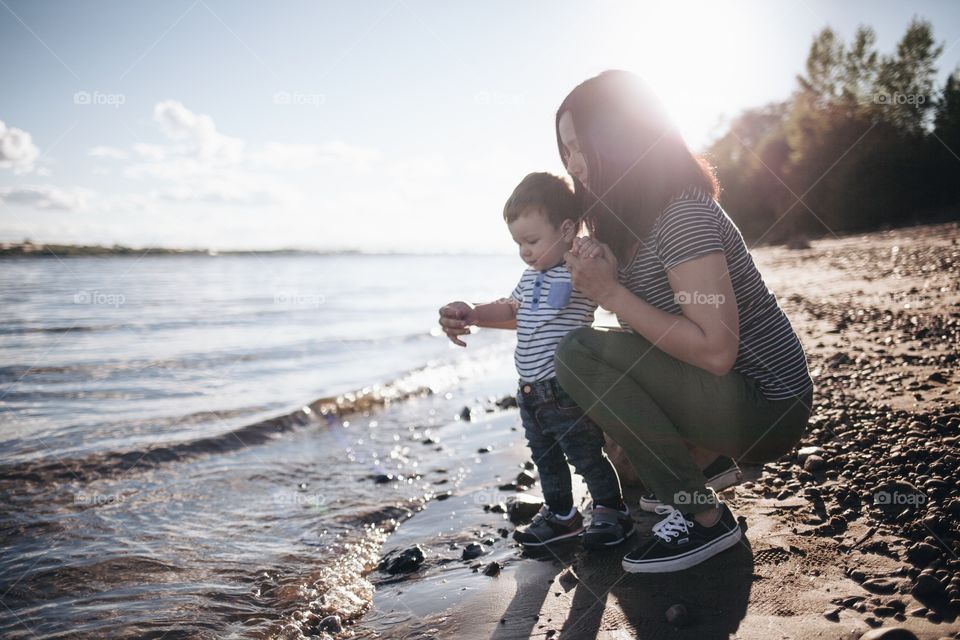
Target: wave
{"points": [[114, 463]]}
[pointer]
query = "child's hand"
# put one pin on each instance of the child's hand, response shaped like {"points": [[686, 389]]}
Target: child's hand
{"points": [[455, 320]]}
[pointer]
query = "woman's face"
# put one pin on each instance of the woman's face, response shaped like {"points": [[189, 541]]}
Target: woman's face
{"points": [[575, 162]]}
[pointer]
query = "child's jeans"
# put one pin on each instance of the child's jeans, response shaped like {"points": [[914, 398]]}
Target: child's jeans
{"points": [[558, 430]]}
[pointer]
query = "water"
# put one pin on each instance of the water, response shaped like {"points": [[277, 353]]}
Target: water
{"points": [[160, 475]]}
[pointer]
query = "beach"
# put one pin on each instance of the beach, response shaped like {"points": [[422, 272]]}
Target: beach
{"points": [[879, 315], [349, 513]]}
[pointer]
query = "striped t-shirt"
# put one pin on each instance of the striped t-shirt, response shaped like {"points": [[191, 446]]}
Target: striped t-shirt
{"points": [[549, 308], [694, 225]]}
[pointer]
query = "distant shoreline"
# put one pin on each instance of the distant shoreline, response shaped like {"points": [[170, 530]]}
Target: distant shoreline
{"points": [[30, 250]]}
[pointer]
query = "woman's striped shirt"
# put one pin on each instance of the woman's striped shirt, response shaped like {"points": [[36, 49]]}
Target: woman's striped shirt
{"points": [[549, 308], [694, 225]]}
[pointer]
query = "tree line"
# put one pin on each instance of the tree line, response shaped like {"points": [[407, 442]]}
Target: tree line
{"points": [[866, 141]]}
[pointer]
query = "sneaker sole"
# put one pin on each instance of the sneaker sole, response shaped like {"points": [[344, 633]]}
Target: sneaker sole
{"points": [[600, 545], [566, 536], [719, 482], [687, 560]]}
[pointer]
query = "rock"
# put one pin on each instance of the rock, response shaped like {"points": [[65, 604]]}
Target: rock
{"points": [[833, 615], [813, 464], [472, 550], [383, 478], [804, 452], [922, 554], [526, 479], [507, 402], [484, 449], [879, 585], [330, 624], [522, 508], [926, 585], [465, 414], [407, 561], [492, 569], [443, 495], [889, 633], [677, 615], [884, 611]]}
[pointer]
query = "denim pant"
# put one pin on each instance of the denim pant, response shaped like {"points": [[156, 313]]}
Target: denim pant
{"points": [[653, 404], [558, 430]]}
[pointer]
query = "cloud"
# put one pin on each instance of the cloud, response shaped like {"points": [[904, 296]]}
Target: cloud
{"points": [[46, 196], [110, 153], [297, 157], [17, 150], [197, 132]]}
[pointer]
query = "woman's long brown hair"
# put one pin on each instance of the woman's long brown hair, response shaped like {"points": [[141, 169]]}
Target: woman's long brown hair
{"points": [[636, 159]]}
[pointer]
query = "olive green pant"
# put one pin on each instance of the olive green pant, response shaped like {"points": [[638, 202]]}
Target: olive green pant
{"points": [[653, 404]]}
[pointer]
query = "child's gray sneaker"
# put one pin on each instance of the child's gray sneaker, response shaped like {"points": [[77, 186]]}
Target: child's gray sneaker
{"points": [[608, 527], [721, 474], [546, 527]]}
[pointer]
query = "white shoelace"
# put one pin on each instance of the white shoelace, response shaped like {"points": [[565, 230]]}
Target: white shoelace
{"points": [[675, 524]]}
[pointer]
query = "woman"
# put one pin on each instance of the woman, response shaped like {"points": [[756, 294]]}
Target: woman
{"points": [[707, 365]]}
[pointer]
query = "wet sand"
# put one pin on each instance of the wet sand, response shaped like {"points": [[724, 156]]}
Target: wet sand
{"points": [[879, 315]]}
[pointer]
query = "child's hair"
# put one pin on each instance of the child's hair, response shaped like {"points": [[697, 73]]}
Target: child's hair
{"points": [[551, 194]]}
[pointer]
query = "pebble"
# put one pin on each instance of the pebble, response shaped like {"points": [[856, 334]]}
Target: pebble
{"points": [[813, 463], [492, 569], [472, 550], [677, 615], [879, 585], [922, 554], [833, 615], [522, 508], [526, 479], [889, 633], [331, 624], [407, 561]]}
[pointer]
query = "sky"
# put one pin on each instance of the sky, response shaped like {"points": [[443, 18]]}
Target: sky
{"points": [[394, 126]]}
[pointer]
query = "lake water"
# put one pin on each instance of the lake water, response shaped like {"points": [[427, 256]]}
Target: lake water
{"points": [[159, 476]]}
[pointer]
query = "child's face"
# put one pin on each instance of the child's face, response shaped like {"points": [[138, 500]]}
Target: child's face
{"points": [[541, 244]]}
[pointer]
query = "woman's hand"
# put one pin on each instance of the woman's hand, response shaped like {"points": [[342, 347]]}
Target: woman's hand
{"points": [[594, 269], [455, 320]]}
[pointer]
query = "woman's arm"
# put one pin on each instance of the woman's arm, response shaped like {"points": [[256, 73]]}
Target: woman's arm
{"points": [[707, 335], [457, 317]]}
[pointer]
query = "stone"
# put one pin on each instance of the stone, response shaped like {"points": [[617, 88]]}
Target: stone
{"points": [[833, 615], [526, 479], [472, 550], [522, 508], [405, 562], [331, 624], [813, 463], [889, 633], [879, 585], [922, 554], [492, 569]]}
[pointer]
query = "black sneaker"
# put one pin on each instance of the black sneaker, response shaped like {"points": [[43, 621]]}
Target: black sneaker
{"points": [[721, 474], [547, 527], [680, 543], [608, 527]]}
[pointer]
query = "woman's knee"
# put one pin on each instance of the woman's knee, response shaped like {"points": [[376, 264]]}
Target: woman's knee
{"points": [[570, 357]]}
